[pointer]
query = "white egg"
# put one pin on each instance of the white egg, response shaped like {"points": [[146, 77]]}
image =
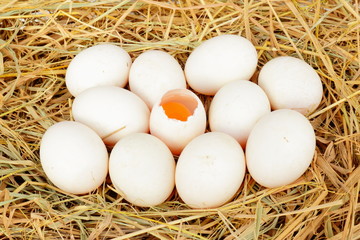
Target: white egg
{"points": [[236, 107], [210, 170], [73, 157], [142, 169], [220, 60], [113, 112], [291, 83], [177, 118], [153, 73], [99, 65], [280, 148]]}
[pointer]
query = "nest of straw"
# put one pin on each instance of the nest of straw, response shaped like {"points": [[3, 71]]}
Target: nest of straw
{"points": [[39, 38]]}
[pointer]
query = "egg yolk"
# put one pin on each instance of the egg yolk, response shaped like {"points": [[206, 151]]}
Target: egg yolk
{"points": [[176, 110]]}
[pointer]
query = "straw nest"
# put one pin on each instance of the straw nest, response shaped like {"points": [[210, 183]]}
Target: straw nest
{"points": [[39, 38]]}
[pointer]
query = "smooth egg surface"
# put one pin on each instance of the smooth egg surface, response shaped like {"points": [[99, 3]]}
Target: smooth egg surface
{"points": [[113, 112], [291, 83], [73, 157], [142, 169], [280, 148], [210, 170], [236, 107], [153, 73], [99, 65], [220, 60], [177, 118]]}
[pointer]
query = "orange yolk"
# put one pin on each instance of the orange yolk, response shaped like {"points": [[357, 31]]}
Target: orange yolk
{"points": [[176, 110]]}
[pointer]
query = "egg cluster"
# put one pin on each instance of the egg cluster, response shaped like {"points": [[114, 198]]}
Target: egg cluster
{"points": [[159, 117]]}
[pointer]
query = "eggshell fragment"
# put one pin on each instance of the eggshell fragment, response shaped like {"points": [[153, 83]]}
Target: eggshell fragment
{"points": [[153, 73], [220, 60], [112, 112], [142, 169], [291, 83], [177, 118], [280, 148], [73, 157], [236, 107], [210, 170], [99, 65]]}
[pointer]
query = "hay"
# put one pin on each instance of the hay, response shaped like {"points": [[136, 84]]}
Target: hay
{"points": [[39, 38]]}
